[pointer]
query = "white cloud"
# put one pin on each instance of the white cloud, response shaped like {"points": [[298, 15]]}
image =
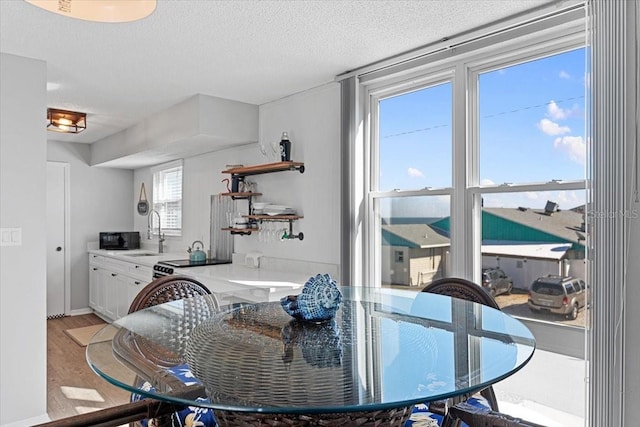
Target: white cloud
{"points": [[555, 112], [552, 128], [564, 75], [413, 172], [569, 199], [534, 199], [487, 181], [574, 146], [561, 198], [558, 113]]}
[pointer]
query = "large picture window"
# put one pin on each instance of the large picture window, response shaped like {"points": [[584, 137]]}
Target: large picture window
{"points": [[474, 166], [522, 156]]}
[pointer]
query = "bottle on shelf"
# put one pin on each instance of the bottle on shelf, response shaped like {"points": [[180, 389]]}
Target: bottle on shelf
{"points": [[285, 148]]}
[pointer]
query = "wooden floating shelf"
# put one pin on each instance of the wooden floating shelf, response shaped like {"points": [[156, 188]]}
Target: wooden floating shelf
{"points": [[241, 195], [266, 168], [274, 217], [239, 230]]}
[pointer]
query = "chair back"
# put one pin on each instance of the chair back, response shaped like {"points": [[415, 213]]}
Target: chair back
{"points": [[165, 289], [150, 354], [168, 349], [463, 289]]}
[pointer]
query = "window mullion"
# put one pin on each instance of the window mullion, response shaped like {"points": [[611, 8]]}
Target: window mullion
{"points": [[461, 249], [474, 260]]}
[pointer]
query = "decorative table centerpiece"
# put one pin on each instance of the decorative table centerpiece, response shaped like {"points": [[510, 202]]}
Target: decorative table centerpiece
{"points": [[318, 302]]}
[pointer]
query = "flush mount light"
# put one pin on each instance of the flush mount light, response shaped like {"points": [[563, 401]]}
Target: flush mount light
{"points": [[66, 121], [99, 10]]}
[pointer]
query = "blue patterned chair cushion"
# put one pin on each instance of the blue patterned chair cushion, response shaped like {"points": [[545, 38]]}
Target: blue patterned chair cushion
{"points": [[191, 416], [421, 417]]}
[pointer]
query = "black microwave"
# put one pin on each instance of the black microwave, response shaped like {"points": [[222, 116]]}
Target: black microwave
{"points": [[119, 240]]}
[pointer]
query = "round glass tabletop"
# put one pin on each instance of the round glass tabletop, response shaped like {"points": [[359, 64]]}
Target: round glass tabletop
{"points": [[384, 349]]}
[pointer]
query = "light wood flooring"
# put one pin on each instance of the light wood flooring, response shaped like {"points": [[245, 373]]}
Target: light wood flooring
{"points": [[72, 387]]}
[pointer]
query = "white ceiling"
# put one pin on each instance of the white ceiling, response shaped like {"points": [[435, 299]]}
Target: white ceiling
{"points": [[253, 51]]}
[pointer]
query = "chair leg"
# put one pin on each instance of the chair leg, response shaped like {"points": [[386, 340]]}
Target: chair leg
{"points": [[490, 395], [449, 421]]}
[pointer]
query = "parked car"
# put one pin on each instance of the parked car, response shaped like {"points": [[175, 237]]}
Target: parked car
{"points": [[496, 282], [557, 294]]}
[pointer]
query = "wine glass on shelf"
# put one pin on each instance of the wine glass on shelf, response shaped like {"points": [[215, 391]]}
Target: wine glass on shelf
{"points": [[275, 148]]}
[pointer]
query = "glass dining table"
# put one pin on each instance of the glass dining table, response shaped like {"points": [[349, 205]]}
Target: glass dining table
{"points": [[247, 359]]}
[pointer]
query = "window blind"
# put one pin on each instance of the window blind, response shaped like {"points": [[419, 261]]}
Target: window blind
{"points": [[614, 90], [167, 196]]}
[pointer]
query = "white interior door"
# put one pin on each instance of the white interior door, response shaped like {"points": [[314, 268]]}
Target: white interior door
{"points": [[57, 184]]}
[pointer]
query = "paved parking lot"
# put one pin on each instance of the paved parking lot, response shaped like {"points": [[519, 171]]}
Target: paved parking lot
{"points": [[516, 305]]}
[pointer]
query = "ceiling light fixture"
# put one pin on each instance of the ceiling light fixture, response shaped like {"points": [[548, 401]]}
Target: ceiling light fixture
{"points": [[66, 121], [99, 10]]}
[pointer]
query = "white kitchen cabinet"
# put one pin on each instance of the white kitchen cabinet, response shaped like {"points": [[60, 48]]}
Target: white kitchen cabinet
{"points": [[133, 287], [96, 287], [98, 276], [111, 301], [114, 283], [121, 296]]}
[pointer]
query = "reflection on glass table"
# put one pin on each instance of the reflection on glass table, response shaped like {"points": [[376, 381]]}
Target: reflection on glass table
{"points": [[385, 351]]}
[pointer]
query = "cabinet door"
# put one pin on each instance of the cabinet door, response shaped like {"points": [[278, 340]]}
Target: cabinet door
{"points": [[121, 286], [133, 287], [111, 295], [95, 275], [140, 272]]}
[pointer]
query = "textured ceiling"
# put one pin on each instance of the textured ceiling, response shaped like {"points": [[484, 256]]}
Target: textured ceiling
{"points": [[253, 51]]}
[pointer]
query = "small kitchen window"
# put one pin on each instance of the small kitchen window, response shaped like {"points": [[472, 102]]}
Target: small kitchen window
{"points": [[167, 197]]}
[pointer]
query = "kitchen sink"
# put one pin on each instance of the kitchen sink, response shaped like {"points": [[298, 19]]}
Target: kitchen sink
{"points": [[140, 254]]}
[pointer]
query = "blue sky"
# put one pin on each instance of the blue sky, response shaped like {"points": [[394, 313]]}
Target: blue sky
{"points": [[531, 129]]}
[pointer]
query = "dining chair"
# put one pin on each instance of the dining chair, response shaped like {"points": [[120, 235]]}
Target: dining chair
{"points": [[485, 417], [463, 289], [168, 356]]}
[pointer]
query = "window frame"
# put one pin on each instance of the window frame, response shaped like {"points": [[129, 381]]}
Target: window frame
{"points": [[535, 37], [159, 169], [466, 191]]}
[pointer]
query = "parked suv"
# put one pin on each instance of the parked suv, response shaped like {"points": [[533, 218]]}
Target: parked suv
{"points": [[557, 294], [496, 282]]}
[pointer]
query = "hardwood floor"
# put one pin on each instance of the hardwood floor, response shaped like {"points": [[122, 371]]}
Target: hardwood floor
{"points": [[72, 387]]}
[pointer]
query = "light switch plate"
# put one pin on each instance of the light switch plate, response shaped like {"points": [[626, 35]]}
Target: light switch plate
{"points": [[10, 236]]}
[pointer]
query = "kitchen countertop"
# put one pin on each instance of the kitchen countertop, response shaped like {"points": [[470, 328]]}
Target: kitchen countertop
{"points": [[221, 278], [140, 256]]}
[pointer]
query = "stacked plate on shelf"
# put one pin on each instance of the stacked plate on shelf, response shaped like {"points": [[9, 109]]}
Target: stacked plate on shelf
{"points": [[258, 207], [263, 208], [274, 210]]}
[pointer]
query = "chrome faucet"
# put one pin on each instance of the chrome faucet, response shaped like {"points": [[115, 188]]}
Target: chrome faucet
{"points": [[160, 234]]}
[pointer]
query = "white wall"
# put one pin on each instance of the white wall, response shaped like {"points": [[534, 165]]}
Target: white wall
{"points": [[23, 367], [101, 199], [312, 119]]}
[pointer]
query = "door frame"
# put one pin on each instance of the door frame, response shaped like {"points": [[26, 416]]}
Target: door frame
{"points": [[67, 233]]}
